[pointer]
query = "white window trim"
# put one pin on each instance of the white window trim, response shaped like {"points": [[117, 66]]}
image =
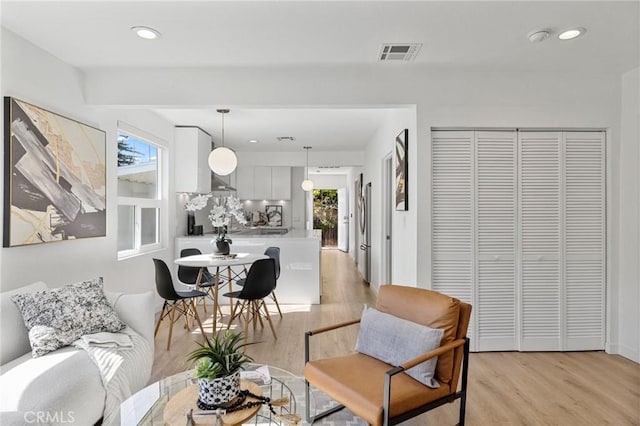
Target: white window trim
{"points": [[140, 203]]}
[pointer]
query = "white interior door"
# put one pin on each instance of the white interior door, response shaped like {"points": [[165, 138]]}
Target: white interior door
{"points": [[495, 240], [452, 259], [585, 242], [343, 220], [518, 230], [387, 211]]}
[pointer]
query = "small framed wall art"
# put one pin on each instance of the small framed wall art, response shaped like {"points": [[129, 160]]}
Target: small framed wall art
{"points": [[54, 177], [402, 170], [274, 215]]}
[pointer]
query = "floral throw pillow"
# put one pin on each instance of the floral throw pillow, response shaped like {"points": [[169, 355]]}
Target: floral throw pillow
{"points": [[57, 317]]}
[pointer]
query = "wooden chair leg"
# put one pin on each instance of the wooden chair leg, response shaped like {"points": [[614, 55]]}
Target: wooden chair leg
{"points": [[275, 299], [256, 308], [266, 311], [197, 317], [172, 314], [246, 322], [233, 313], [164, 305], [186, 308]]}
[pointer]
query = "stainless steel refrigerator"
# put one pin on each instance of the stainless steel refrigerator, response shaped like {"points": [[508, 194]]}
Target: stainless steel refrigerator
{"points": [[364, 220]]}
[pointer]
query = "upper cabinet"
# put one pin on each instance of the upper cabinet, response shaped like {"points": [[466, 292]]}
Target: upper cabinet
{"points": [[192, 148], [263, 183], [280, 183]]}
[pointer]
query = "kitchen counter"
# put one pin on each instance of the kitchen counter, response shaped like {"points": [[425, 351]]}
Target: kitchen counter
{"points": [[260, 233], [299, 281]]}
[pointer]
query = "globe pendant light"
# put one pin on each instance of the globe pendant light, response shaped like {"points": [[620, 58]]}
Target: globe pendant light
{"points": [[222, 160], [307, 184]]}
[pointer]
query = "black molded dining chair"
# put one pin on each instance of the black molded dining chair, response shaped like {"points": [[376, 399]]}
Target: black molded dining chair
{"points": [[260, 282], [174, 301], [273, 253], [188, 275]]}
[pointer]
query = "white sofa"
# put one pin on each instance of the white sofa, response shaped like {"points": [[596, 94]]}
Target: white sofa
{"points": [[64, 386]]}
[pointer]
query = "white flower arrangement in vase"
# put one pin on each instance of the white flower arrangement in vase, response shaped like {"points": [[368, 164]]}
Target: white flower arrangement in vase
{"points": [[221, 213]]}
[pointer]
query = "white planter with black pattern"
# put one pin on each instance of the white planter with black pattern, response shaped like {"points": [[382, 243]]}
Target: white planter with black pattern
{"points": [[219, 391]]}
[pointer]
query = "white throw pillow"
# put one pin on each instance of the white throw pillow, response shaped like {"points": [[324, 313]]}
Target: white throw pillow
{"points": [[57, 317], [396, 341]]}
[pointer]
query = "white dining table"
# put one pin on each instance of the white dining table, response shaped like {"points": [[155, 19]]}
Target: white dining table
{"points": [[204, 261]]}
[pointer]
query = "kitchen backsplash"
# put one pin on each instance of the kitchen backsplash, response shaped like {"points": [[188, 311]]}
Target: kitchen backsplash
{"points": [[258, 213]]}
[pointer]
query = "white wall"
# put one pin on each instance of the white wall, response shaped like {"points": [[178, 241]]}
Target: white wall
{"points": [[404, 236], [326, 181], [35, 76], [629, 225]]}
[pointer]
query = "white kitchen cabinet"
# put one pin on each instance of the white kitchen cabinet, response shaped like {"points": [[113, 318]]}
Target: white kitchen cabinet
{"points": [[263, 183], [280, 183], [244, 182], [192, 173]]}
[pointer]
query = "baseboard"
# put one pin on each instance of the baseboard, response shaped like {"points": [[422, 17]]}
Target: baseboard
{"points": [[623, 350]]}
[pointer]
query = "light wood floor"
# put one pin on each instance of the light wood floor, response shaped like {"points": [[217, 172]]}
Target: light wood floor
{"points": [[505, 388]]}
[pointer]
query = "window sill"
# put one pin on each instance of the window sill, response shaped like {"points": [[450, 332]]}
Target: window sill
{"points": [[138, 254]]}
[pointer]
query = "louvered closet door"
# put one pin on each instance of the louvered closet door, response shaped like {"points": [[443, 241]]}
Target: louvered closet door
{"points": [[540, 240], [452, 215], [584, 239], [495, 225]]}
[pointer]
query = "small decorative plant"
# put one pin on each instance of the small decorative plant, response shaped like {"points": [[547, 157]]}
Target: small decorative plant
{"points": [[220, 356]]}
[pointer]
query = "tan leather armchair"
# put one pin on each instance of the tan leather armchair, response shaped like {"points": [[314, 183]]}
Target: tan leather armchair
{"points": [[378, 392]]}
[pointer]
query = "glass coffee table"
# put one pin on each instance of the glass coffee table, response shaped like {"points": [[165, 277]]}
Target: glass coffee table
{"points": [[146, 407]]}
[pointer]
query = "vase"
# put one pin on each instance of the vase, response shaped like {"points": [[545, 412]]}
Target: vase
{"points": [[191, 222], [221, 247], [219, 391]]}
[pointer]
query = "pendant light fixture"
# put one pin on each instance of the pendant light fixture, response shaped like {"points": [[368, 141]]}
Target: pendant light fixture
{"points": [[222, 160], [307, 184]]}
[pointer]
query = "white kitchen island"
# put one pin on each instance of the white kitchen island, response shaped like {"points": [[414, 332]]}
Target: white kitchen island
{"points": [[299, 281]]}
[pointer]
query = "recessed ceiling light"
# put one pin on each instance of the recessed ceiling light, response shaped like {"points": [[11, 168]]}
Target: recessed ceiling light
{"points": [[253, 141], [146, 32], [538, 36], [571, 34]]}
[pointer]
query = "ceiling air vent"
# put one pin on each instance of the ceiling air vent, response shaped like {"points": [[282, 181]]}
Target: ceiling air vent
{"points": [[398, 52], [286, 138]]}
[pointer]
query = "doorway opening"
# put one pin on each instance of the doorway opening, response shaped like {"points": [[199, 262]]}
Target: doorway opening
{"points": [[325, 216]]}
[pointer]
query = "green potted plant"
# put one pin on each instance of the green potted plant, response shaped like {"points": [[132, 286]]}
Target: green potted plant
{"points": [[220, 360]]}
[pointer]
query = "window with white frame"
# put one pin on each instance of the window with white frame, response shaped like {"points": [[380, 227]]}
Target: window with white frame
{"points": [[139, 194]]}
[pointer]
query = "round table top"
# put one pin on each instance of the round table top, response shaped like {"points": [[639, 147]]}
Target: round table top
{"points": [[185, 400], [212, 260]]}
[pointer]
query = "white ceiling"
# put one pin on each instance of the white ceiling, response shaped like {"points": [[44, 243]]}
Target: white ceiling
{"points": [[473, 35], [322, 129], [464, 35]]}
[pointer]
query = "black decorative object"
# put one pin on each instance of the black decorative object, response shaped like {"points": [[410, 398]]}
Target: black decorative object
{"points": [[221, 247], [191, 222]]}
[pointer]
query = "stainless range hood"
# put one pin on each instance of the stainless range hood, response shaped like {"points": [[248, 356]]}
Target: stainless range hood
{"points": [[218, 184]]}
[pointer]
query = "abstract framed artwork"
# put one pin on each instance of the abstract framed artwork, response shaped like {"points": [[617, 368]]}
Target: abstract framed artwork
{"points": [[54, 177], [402, 170], [274, 214]]}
